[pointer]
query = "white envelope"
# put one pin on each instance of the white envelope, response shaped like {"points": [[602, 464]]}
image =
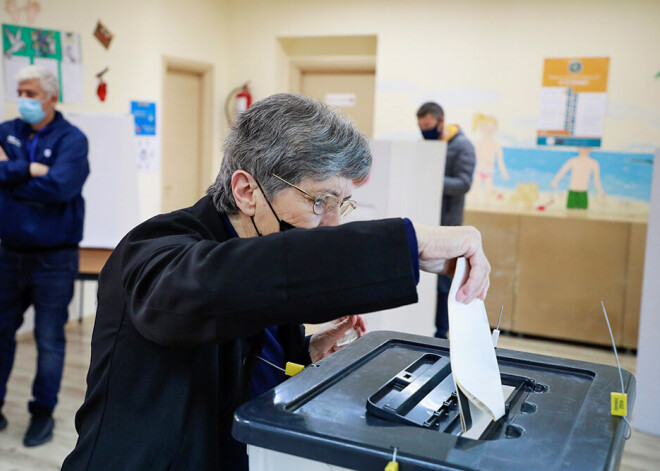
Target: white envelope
{"points": [[472, 355]]}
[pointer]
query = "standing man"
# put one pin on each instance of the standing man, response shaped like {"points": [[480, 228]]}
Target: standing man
{"points": [[459, 166], [43, 165]]}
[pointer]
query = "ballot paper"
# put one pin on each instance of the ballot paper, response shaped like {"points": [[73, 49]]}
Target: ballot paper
{"points": [[472, 355]]}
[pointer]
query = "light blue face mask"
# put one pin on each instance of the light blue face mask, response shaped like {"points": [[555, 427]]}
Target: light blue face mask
{"points": [[30, 110]]}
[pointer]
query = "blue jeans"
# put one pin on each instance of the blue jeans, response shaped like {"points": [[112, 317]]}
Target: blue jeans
{"points": [[44, 280], [441, 311]]}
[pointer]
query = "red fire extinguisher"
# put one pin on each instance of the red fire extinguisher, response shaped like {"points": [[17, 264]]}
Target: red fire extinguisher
{"points": [[238, 100], [243, 99]]}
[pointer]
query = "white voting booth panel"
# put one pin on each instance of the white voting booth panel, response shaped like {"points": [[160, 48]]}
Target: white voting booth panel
{"points": [[647, 413], [111, 190], [405, 181]]}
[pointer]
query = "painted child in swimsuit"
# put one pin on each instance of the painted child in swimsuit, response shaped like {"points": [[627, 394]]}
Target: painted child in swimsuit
{"points": [[582, 168], [488, 151]]}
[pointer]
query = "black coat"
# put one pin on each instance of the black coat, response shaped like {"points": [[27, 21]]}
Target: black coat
{"points": [[181, 311]]}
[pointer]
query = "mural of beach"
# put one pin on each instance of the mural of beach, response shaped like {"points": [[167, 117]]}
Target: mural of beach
{"points": [[582, 181]]}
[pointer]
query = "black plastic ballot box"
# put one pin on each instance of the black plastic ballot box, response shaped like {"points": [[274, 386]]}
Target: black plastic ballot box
{"points": [[391, 390]]}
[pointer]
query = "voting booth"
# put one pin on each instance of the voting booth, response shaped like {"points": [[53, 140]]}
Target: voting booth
{"points": [[406, 180], [111, 190], [390, 391]]}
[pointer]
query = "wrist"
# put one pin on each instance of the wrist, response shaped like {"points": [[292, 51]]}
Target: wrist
{"points": [[22, 168]]}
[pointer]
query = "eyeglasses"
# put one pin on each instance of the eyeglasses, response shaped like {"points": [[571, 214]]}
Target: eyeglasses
{"points": [[325, 203]]}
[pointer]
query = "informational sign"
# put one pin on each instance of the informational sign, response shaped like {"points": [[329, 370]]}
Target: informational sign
{"points": [[573, 102], [148, 142], [340, 99], [144, 113], [57, 51]]}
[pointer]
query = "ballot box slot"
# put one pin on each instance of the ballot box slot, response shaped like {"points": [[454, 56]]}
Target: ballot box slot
{"points": [[423, 395]]}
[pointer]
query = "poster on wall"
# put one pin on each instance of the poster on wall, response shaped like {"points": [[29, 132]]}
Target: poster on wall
{"points": [[58, 51], [147, 139], [573, 102]]}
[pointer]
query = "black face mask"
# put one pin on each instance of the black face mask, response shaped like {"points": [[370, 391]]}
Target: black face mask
{"points": [[432, 134], [284, 226]]}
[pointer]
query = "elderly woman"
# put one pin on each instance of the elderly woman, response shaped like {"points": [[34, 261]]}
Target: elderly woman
{"points": [[199, 308]]}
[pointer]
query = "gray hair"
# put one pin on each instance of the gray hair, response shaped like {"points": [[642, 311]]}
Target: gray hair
{"points": [[47, 79], [294, 137]]}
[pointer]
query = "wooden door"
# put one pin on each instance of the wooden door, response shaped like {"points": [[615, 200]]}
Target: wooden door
{"points": [[328, 84], [182, 143]]}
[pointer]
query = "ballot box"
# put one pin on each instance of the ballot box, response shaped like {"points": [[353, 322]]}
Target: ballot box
{"points": [[392, 392]]}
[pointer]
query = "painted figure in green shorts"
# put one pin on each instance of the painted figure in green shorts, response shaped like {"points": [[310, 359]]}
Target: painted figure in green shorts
{"points": [[582, 168]]}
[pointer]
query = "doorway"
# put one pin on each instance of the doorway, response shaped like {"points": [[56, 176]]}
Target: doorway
{"points": [[351, 92], [338, 70], [187, 138]]}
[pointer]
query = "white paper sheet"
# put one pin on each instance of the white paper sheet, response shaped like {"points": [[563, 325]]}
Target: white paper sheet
{"points": [[50, 64], [472, 355], [12, 65], [552, 116], [72, 83]]}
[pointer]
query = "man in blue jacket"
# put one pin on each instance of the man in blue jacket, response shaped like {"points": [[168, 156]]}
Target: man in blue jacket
{"points": [[43, 165], [459, 166]]}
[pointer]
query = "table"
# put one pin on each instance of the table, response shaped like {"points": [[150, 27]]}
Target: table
{"points": [[91, 262]]}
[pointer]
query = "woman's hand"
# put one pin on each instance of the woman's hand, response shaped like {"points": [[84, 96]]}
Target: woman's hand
{"points": [[324, 342], [438, 248]]}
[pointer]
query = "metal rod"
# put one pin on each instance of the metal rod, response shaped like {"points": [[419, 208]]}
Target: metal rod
{"points": [[500, 318]]}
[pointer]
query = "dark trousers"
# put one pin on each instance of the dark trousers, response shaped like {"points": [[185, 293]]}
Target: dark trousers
{"points": [[44, 280], [441, 311]]}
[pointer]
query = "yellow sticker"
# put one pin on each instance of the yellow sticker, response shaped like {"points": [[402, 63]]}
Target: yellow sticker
{"points": [[292, 369], [392, 466], [619, 404]]}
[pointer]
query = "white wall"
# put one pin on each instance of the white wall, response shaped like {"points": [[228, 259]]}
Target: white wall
{"points": [[647, 412], [471, 56]]}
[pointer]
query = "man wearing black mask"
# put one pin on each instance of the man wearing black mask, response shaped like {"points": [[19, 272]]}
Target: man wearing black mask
{"points": [[459, 166]]}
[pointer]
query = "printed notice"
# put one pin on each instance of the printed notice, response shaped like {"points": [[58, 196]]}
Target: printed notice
{"points": [[345, 100], [147, 139], [573, 102]]}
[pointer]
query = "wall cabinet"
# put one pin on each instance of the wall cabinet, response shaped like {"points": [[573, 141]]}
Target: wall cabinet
{"points": [[550, 274]]}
